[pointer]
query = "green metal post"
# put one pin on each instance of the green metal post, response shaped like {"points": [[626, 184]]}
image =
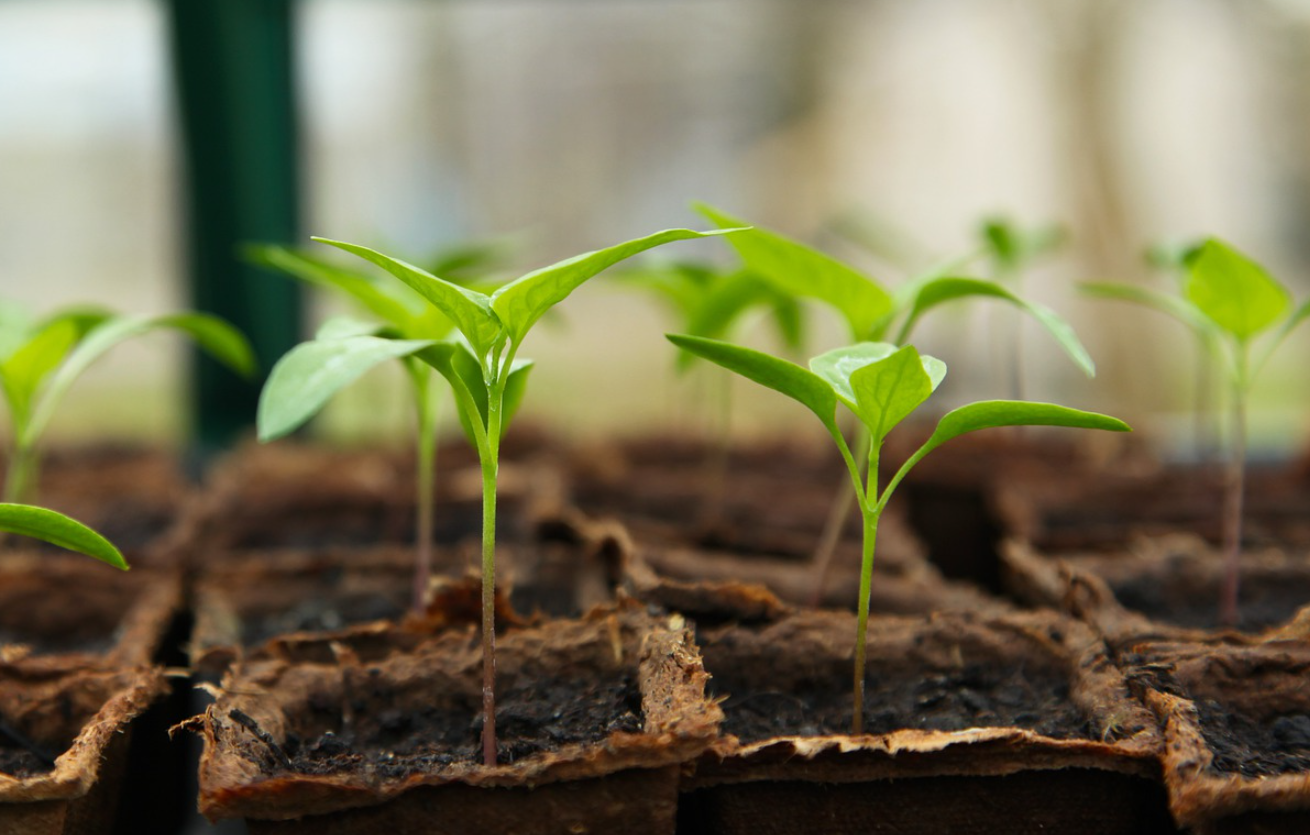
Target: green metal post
{"points": [[234, 79]]}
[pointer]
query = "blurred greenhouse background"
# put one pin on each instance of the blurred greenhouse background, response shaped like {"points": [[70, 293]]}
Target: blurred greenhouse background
{"points": [[882, 131]]}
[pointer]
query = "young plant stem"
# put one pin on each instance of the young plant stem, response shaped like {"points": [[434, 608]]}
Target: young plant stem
{"points": [[20, 474], [427, 465], [825, 552], [871, 512], [1234, 488], [716, 470], [490, 467]]}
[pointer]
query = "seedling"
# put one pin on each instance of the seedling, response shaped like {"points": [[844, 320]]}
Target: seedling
{"points": [[1228, 301], [344, 348], [711, 302], [58, 529], [880, 384], [872, 313], [488, 380], [40, 360]]}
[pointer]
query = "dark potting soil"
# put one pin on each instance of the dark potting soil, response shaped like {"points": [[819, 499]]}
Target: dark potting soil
{"points": [[1264, 600], [323, 614], [75, 641], [21, 763], [976, 695], [543, 715], [1252, 747]]}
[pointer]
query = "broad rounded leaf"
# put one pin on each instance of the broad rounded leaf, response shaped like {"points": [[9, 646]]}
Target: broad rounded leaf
{"points": [[837, 366], [1235, 292], [805, 272], [468, 309], [309, 374], [938, 291], [523, 301], [804, 386], [887, 391], [213, 335], [58, 529]]}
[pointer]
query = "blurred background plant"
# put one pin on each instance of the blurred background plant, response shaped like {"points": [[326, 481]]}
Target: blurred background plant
{"points": [[425, 124]]}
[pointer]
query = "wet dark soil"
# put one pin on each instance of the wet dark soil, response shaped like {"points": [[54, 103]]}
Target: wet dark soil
{"points": [[1265, 600], [972, 696], [324, 614], [21, 763], [541, 715], [1255, 747]]}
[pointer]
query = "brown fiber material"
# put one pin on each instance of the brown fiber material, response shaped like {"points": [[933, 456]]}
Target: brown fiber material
{"points": [[1244, 789], [1162, 588], [293, 603], [86, 716], [815, 649], [286, 496], [103, 616], [239, 779]]}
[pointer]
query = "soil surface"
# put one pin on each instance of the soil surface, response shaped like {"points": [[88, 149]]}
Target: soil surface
{"points": [[1254, 748], [538, 716], [1264, 601], [21, 763], [972, 696]]}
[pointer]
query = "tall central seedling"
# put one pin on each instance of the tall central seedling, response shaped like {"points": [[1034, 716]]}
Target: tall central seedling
{"points": [[881, 384], [488, 380]]}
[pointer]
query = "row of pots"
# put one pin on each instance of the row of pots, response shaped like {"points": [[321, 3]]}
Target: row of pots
{"points": [[714, 695]]}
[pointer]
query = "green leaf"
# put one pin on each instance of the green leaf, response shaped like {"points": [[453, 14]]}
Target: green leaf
{"points": [[881, 384], [1235, 292], [212, 334], [522, 302], [363, 289], [804, 386], [340, 327], [1289, 324], [309, 374], [58, 529], [468, 309], [805, 272], [1178, 308], [989, 414], [938, 291], [470, 371], [23, 372], [887, 391], [837, 366]]}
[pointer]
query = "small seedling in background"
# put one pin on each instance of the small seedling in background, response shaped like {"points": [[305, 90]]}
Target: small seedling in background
{"points": [[1228, 300], [1174, 259], [488, 380], [873, 313], [709, 301], [343, 349], [58, 529], [881, 384], [1012, 250], [40, 360]]}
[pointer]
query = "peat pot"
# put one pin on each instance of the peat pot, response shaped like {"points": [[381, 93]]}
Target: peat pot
{"points": [[595, 717], [1009, 724]]}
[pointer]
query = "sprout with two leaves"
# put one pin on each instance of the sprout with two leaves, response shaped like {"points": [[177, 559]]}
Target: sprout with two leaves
{"points": [[881, 384], [874, 314], [484, 372], [344, 348], [39, 361], [1228, 300]]}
